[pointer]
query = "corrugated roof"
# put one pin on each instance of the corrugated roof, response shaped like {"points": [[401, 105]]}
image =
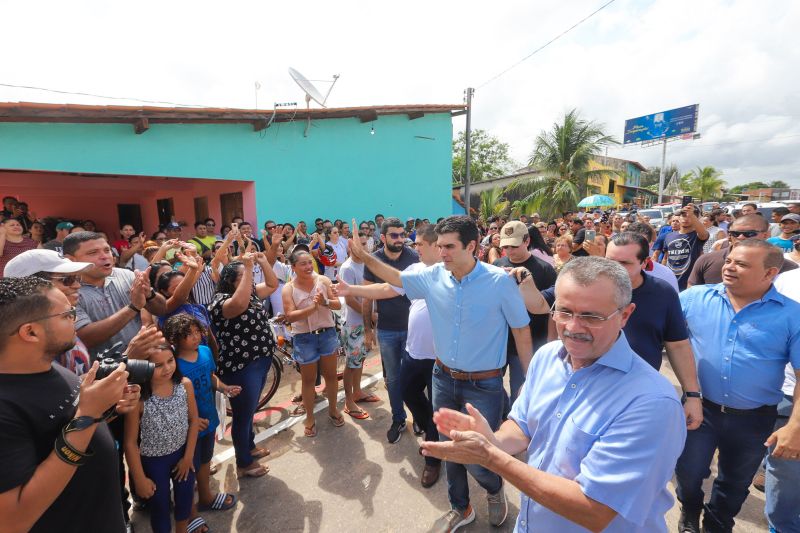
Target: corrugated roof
{"points": [[142, 116]]}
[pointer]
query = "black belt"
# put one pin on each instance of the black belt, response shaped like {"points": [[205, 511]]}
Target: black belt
{"points": [[320, 331], [763, 410]]}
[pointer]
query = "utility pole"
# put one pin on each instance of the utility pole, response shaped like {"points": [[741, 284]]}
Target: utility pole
{"points": [[467, 177], [663, 171]]}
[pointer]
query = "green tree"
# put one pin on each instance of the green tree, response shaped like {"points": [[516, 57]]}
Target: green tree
{"points": [[562, 156], [651, 176], [492, 203], [748, 186], [778, 184], [490, 157], [703, 183]]}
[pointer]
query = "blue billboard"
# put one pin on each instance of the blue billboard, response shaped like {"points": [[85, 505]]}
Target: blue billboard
{"points": [[661, 125]]}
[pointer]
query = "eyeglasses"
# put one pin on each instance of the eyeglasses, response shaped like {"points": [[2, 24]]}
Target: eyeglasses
{"points": [[749, 234], [210, 224], [66, 280], [72, 313], [493, 228], [401, 235], [587, 321], [270, 227]]}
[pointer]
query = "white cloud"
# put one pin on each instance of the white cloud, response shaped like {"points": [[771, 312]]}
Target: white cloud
{"points": [[737, 59]]}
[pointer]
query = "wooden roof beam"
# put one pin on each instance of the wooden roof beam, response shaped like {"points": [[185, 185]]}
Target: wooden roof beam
{"points": [[141, 125], [368, 116], [415, 115]]}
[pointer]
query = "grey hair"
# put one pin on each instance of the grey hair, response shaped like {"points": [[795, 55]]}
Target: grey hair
{"points": [[586, 270]]}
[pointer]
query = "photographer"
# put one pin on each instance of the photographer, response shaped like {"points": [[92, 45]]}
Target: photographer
{"points": [[57, 455]]}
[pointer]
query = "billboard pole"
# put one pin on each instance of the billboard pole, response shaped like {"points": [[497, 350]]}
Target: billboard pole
{"points": [[468, 149], [663, 172]]}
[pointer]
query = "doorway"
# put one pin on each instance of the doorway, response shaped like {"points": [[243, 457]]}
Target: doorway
{"points": [[231, 206], [166, 210], [130, 214]]}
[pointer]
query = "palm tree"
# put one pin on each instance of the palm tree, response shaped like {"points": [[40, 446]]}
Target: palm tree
{"points": [[492, 203], [562, 157], [704, 183]]}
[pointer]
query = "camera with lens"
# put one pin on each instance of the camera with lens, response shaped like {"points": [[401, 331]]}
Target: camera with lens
{"points": [[139, 372]]}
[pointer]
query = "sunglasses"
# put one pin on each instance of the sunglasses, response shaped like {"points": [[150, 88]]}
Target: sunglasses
{"points": [[749, 234], [401, 235], [493, 227], [67, 280]]}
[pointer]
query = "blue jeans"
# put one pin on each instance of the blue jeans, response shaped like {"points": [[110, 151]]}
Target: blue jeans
{"points": [[251, 379], [393, 348], [783, 483], [416, 376], [486, 395], [159, 470], [740, 441]]}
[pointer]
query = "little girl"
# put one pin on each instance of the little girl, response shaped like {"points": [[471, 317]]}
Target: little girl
{"points": [[195, 362], [166, 421]]}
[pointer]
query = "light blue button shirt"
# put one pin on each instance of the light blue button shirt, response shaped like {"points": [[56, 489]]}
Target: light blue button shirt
{"points": [[615, 427], [470, 318], [741, 356]]}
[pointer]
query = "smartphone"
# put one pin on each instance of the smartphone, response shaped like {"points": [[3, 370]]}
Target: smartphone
{"points": [[591, 234], [234, 226], [686, 200]]}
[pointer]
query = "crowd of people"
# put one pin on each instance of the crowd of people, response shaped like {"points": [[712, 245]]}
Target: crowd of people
{"points": [[578, 311]]}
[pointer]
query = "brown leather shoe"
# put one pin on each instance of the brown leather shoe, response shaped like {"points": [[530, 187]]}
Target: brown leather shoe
{"points": [[759, 481], [430, 475]]}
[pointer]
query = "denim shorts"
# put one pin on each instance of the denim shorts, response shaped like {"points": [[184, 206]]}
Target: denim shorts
{"points": [[204, 450], [309, 347]]}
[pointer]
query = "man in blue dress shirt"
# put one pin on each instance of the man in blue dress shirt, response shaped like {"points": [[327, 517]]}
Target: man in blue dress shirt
{"points": [[472, 305], [602, 428], [743, 333]]}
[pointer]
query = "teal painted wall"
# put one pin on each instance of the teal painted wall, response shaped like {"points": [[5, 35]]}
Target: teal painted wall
{"points": [[339, 171]]}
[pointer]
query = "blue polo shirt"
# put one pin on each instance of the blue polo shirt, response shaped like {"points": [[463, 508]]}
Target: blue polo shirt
{"points": [[470, 317], [741, 356], [620, 447]]}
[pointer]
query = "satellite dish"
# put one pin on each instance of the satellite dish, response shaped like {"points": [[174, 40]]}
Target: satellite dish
{"points": [[311, 92]]}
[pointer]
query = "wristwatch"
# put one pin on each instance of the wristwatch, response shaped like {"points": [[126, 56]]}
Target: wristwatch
{"points": [[80, 423], [691, 395]]}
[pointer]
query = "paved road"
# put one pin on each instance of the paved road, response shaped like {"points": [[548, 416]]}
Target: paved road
{"points": [[350, 479]]}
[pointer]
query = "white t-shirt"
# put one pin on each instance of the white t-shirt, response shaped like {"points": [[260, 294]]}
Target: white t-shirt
{"points": [[663, 272], [352, 273], [419, 342], [788, 284], [341, 254], [284, 274], [788, 257]]}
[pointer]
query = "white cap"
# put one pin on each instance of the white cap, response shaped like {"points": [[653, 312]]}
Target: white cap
{"points": [[33, 261]]}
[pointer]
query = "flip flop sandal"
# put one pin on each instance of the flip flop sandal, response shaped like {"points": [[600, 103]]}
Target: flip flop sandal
{"points": [[214, 468], [197, 525], [219, 503], [358, 415], [258, 453], [337, 421], [253, 471], [311, 432], [369, 398], [300, 410]]}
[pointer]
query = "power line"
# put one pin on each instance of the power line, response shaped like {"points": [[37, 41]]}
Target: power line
{"points": [[98, 95], [548, 43]]}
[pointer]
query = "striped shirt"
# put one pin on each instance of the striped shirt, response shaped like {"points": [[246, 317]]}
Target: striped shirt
{"points": [[203, 290]]}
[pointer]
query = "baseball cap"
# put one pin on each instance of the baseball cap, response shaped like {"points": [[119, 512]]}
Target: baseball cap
{"points": [[172, 225], [791, 216], [63, 225], [39, 260], [513, 233]]}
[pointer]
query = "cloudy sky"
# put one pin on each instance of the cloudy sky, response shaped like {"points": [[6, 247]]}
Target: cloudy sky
{"points": [[737, 59]]}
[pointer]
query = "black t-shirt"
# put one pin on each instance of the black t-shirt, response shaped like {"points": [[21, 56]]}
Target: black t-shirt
{"points": [[393, 313], [544, 276], [657, 319], [682, 251], [33, 409], [578, 239]]}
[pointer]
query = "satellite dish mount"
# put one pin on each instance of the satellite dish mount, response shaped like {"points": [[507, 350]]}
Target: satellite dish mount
{"points": [[311, 93]]}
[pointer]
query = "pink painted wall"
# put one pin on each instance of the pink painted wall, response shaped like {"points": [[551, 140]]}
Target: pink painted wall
{"points": [[82, 197]]}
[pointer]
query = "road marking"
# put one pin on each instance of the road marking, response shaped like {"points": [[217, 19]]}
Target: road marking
{"points": [[289, 422]]}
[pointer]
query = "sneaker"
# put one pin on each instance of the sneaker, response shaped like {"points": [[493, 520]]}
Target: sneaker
{"points": [[417, 430], [395, 432], [453, 520], [498, 507], [689, 522]]}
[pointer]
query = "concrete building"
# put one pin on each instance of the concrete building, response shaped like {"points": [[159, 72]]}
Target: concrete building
{"points": [[148, 165]]}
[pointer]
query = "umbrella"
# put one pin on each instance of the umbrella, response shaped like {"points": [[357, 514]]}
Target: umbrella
{"points": [[597, 200]]}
